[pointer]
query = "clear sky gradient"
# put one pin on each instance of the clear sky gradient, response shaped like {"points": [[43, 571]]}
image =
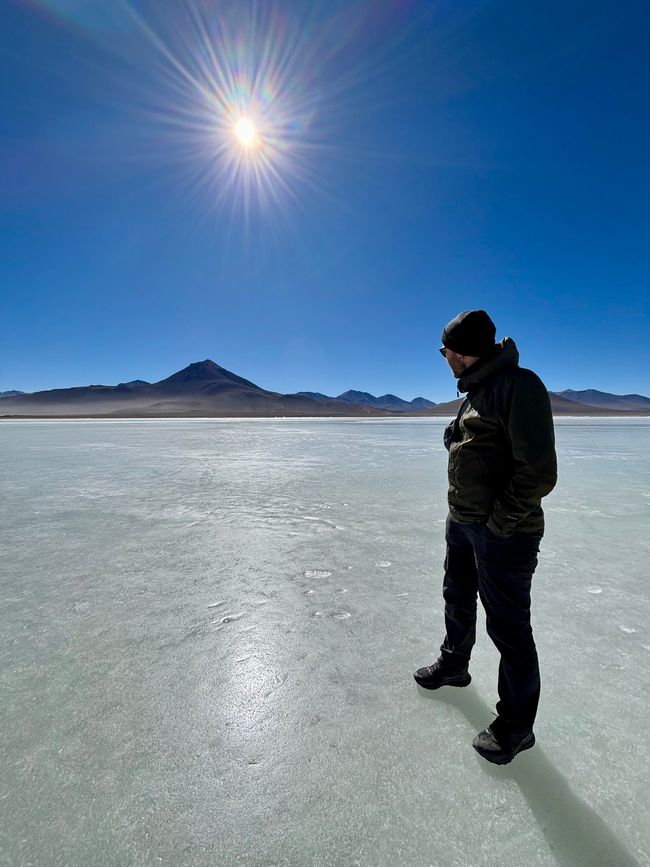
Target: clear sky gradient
{"points": [[424, 158]]}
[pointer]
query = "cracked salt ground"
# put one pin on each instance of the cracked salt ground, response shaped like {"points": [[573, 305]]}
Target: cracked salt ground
{"points": [[181, 683]]}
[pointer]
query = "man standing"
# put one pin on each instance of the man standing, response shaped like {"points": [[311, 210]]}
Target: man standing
{"points": [[501, 463]]}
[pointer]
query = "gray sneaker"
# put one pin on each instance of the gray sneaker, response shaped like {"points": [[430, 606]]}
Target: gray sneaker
{"points": [[437, 675], [500, 742]]}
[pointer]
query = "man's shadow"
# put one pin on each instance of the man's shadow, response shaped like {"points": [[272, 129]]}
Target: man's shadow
{"points": [[577, 836]]}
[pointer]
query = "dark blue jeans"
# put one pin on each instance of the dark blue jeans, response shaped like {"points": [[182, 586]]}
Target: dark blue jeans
{"points": [[500, 571]]}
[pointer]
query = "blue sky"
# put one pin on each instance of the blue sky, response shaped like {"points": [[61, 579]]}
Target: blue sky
{"points": [[429, 158]]}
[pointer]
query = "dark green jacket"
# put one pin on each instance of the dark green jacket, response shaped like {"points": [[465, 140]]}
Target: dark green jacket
{"points": [[501, 446]]}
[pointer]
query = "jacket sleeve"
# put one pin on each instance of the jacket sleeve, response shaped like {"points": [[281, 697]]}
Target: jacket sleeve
{"points": [[529, 426]]}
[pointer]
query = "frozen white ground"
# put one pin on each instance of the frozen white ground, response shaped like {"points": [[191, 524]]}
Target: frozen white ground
{"points": [[209, 630]]}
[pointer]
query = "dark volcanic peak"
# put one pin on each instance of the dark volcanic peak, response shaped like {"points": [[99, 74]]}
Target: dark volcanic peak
{"points": [[422, 403], [205, 371]]}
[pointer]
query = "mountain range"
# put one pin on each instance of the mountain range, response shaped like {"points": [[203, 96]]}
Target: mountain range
{"points": [[591, 397], [386, 401], [204, 388]]}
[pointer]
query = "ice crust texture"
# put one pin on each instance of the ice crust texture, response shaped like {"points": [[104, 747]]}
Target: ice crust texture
{"points": [[210, 629]]}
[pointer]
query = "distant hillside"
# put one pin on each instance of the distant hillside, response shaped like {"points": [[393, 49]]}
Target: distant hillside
{"points": [[559, 405], [564, 406], [314, 395], [10, 393], [386, 401], [135, 383], [634, 402]]}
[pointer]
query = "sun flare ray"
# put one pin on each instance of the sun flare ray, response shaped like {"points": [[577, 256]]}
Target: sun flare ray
{"points": [[234, 99]]}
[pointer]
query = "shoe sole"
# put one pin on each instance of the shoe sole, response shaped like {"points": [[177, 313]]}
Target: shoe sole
{"points": [[506, 758], [459, 681]]}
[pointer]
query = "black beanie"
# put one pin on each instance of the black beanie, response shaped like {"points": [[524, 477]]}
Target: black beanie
{"points": [[472, 332]]}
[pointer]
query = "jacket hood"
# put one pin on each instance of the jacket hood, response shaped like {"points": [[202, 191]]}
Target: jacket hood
{"points": [[505, 355]]}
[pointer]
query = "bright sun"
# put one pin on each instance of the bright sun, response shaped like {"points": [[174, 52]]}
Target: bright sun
{"points": [[246, 132]]}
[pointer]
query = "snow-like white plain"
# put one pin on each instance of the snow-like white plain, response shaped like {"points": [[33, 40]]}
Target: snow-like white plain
{"points": [[209, 629]]}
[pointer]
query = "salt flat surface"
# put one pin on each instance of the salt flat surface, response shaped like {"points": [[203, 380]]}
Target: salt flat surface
{"points": [[209, 632]]}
